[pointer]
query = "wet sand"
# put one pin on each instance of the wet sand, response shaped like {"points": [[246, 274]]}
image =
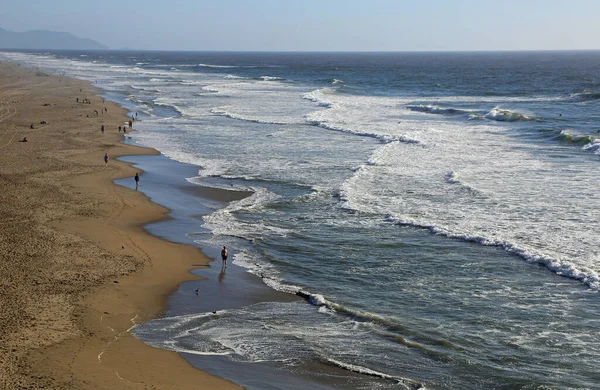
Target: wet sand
{"points": [[77, 268]]}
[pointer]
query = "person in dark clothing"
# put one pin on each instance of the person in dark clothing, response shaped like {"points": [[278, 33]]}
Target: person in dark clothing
{"points": [[224, 255]]}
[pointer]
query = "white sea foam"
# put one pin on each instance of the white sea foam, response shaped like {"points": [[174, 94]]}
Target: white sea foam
{"points": [[216, 66], [362, 116], [319, 96], [224, 223], [593, 146], [210, 88], [586, 275], [500, 114], [405, 383], [166, 102], [223, 111], [586, 96], [271, 78]]}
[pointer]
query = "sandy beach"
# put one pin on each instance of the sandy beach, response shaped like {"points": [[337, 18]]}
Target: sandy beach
{"points": [[77, 269]]}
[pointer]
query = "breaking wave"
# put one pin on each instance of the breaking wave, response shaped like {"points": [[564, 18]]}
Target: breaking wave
{"points": [[385, 138], [504, 115], [432, 109], [565, 136], [223, 112], [216, 66], [315, 97], [585, 96], [584, 275], [271, 78], [406, 383], [593, 146]]}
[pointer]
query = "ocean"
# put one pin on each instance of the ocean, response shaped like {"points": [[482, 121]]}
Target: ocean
{"points": [[438, 211]]}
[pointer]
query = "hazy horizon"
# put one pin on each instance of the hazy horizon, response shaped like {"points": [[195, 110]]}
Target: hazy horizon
{"points": [[313, 26]]}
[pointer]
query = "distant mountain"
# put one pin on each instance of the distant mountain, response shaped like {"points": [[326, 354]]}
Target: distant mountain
{"points": [[41, 39]]}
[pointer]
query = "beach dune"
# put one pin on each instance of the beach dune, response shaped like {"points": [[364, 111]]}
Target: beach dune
{"points": [[77, 269]]}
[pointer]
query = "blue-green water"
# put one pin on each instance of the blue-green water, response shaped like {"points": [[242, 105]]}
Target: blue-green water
{"points": [[441, 209]]}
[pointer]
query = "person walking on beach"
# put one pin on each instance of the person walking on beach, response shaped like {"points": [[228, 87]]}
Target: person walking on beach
{"points": [[102, 129], [137, 180], [224, 256], [106, 159]]}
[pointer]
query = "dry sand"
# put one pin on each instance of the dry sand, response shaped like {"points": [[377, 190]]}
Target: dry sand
{"points": [[77, 269]]}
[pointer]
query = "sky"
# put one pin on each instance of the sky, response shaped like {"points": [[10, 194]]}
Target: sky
{"points": [[316, 25]]}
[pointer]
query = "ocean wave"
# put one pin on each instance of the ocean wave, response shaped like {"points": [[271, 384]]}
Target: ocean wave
{"points": [[233, 77], [586, 276], [593, 146], [191, 82], [216, 66], [585, 96], [504, 115], [565, 136], [209, 88], [432, 109], [317, 97], [223, 222], [271, 78], [156, 90], [389, 324], [158, 102], [384, 138], [269, 274], [222, 112], [406, 383], [244, 336]]}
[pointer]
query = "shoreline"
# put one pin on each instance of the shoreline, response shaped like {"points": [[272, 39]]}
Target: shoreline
{"points": [[231, 289], [113, 327], [75, 242]]}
